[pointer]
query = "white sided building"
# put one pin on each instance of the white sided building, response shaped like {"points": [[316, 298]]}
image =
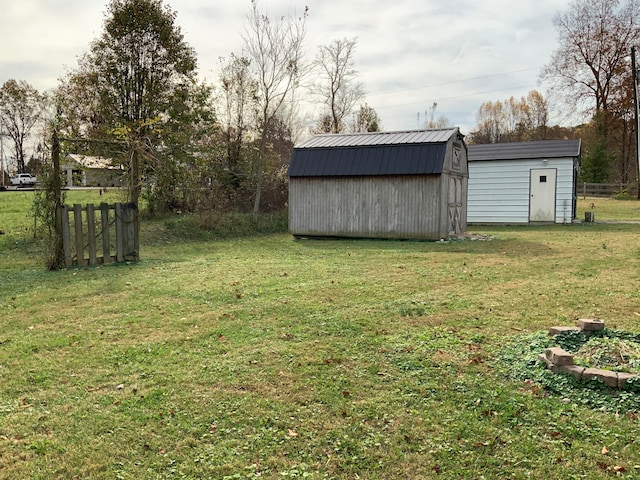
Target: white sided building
{"points": [[524, 182]]}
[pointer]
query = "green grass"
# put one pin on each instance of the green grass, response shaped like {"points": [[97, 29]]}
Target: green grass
{"points": [[609, 209], [266, 357]]}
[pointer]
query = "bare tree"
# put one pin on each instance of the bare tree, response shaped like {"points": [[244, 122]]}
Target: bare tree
{"points": [[274, 48], [591, 62], [589, 71], [431, 120], [21, 108], [337, 85]]}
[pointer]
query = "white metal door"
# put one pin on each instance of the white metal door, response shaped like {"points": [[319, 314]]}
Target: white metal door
{"points": [[542, 190]]}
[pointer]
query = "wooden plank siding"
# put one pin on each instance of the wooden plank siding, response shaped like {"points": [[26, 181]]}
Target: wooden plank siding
{"points": [[392, 185], [371, 207]]}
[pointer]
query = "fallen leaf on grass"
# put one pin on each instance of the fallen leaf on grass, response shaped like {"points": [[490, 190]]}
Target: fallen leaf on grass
{"points": [[605, 450], [481, 444], [293, 433]]}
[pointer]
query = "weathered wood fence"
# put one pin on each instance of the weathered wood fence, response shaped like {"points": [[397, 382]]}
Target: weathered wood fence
{"points": [[607, 189], [110, 229]]}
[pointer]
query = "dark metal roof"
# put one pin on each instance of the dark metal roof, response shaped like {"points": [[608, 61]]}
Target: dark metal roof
{"points": [[386, 153], [524, 150]]}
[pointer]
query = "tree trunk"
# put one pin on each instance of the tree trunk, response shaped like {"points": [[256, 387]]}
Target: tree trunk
{"points": [[58, 252], [134, 180], [260, 173]]}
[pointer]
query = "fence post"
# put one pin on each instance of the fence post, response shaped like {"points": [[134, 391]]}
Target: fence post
{"points": [[66, 235], [106, 246], [59, 254], [130, 231]]}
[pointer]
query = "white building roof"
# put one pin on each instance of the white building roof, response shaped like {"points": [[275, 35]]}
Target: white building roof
{"points": [[88, 161]]}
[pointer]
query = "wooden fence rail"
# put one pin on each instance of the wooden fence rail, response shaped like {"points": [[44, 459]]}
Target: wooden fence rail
{"points": [[607, 189], [117, 228]]}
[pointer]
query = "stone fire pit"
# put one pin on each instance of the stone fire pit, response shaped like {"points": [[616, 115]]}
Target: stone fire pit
{"points": [[560, 361]]}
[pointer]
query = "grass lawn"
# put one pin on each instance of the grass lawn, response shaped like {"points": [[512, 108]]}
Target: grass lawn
{"points": [[267, 357]]}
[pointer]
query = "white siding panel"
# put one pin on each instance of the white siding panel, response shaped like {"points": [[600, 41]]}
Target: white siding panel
{"points": [[499, 190]]}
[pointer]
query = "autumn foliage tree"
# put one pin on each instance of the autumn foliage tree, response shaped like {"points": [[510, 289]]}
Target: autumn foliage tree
{"points": [[589, 73], [366, 120], [137, 86], [512, 120], [238, 89]]}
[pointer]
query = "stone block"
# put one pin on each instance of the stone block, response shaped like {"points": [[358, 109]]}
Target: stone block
{"points": [[623, 377], [590, 324], [550, 365], [553, 331], [575, 371], [558, 356], [608, 377], [543, 358]]}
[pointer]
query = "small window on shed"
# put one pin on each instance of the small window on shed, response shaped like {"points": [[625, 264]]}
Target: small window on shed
{"points": [[543, 179]]}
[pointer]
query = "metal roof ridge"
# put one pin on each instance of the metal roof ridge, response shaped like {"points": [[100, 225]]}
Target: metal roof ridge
{"points": [[386, 132], [331, 140]]}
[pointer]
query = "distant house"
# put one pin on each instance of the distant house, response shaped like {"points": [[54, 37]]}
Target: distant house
{"points": [[401, 185], [90, 171], [524, 182]]}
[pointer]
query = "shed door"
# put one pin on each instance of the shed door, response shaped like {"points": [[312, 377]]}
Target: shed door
{"points": [[542, 190], [455, 205]]}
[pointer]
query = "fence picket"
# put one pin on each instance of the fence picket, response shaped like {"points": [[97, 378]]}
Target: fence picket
{"points": [[66, 236], [124, 222], [106, 245], [91, 234], [119, 234], [77, 220]]}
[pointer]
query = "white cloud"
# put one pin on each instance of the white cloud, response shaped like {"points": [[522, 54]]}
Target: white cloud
{"points": [[410, 52]]}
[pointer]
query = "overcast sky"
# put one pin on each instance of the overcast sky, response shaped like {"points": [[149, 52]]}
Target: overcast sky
{"points": [[410, 53]]}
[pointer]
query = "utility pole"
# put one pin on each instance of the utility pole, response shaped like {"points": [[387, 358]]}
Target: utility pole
{"points": [[636, 110]]}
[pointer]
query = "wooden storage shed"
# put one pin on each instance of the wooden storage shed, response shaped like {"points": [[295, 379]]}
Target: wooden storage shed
{"points": [[401, 185], [524, 182]]}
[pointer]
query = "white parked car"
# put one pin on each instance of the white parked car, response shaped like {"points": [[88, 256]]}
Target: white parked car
{"points": [[23, 180]]}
